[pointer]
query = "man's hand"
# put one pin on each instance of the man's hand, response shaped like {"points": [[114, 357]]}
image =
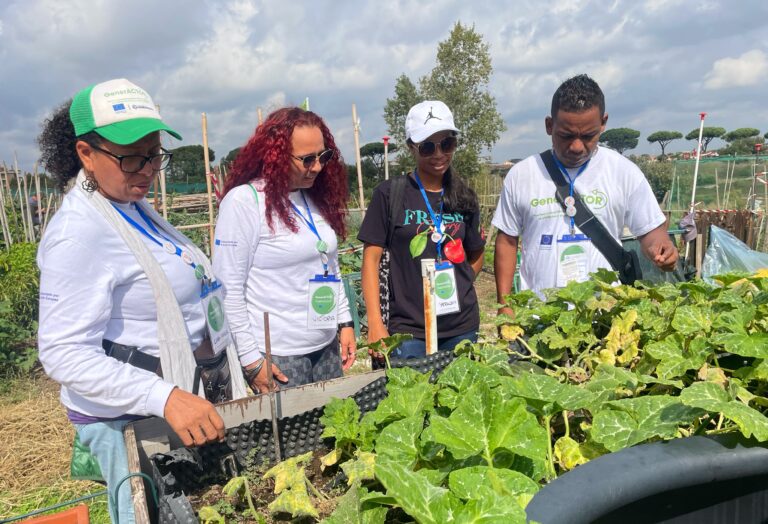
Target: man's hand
{"points": [[659, 249], [665, 256], [348, 347], [193, 418]]}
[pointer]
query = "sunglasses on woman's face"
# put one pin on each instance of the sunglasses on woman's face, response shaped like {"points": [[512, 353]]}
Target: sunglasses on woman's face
{"points": [[447, 146], [309, 160]]}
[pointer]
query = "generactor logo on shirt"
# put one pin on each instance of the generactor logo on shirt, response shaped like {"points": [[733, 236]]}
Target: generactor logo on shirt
{"points": [[595, 199]]}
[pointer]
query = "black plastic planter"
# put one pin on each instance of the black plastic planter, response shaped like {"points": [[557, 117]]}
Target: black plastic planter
{"points": [[701, 480], [180, 471]]}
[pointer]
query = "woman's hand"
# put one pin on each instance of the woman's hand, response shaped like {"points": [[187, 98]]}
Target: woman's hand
{"points": [[376, 333], [260, 383], [193, 418], [348, 347]]}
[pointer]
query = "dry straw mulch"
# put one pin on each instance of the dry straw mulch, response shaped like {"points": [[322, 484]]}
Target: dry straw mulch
{"points": [[35, 447]]}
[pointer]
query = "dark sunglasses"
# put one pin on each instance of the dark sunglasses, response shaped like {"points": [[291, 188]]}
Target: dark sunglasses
{"points": [[135, 163], [309, 160], [447, 146]]}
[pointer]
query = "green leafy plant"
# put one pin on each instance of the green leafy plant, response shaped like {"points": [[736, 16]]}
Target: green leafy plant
{"points": [[599, 368]]}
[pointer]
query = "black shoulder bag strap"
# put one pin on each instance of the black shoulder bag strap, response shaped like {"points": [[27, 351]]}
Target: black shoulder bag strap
{"points": [[625, 262]]}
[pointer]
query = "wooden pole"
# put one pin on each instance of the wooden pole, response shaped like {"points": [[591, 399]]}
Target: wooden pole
{"points": [[717, 190], [259, 118], [163, 195], [47, 214], [386, 157], [28, 211], [207, 161], [21, 189], [39, 202], [699, 253], [430, 317], [7, 181], [356, 127], [4, 221]]}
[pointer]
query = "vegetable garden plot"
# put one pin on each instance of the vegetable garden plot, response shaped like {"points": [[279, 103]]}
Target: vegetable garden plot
{"points": [[604, 368]]}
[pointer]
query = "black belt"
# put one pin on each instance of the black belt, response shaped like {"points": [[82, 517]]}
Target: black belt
{"points": [[131, 355]]}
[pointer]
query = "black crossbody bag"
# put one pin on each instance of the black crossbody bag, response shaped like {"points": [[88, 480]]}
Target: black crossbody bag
{"points": [[625, 262]]}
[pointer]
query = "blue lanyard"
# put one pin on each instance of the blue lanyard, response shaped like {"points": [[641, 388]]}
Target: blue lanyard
{"points": [[199, 273], [437, 220], [571, 181], [321, 245]]}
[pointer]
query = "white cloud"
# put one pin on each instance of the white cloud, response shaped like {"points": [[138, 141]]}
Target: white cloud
{"points": [[749, 69]]}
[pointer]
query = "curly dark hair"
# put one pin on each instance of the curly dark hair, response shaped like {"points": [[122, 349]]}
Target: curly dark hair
{"points": [[577, 94], [267, 156], [57, 146]]}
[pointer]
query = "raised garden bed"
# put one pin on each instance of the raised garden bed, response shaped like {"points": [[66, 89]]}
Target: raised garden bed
{"points": [[582, 378]]}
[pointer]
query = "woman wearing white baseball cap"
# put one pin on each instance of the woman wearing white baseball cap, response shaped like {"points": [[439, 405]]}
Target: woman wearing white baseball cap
{"points": [[430, 213], [123, 327]]}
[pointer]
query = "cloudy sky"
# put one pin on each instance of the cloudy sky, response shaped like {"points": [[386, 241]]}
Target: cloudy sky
{"points": [[660, 62]]}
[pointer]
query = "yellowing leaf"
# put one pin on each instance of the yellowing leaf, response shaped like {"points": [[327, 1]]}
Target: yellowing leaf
{"points": [[715, 375], [330, 459], [622, 341], [360, 468], [568, 453], [510, 332], [208, 515]]}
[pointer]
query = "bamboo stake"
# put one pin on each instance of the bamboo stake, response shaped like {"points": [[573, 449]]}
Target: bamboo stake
{"points": [[258, 115], [20, 192], [163, 195], [155, 197], [356, 127], [695, 175], [430, 318], [47, 214], [7, 181], [28, 211], [717, 190], [39, 201], [208, 181], [4, 222]]}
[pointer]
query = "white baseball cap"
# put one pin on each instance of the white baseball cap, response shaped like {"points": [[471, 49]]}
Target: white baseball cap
{"points": [[118, 110], [427, 118]]}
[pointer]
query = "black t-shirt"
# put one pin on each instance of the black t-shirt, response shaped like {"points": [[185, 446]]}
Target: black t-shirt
{"points": [[406, 303]]}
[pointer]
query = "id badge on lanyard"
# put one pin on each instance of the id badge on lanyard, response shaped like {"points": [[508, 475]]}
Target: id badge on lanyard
{"points": [[446, 293], [323, 302], [572, 258], [211, 296]]}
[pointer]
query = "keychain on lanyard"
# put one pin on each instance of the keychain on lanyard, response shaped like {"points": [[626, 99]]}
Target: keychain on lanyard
{"points": [[437, 220], [168, 245], [570, 200], [321, 245]]}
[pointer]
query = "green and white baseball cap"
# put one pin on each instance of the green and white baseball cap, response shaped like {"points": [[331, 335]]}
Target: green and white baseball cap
{"points": [[118, 110]]}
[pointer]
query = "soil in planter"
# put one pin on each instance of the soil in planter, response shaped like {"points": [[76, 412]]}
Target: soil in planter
{"points": [[327, 482]]}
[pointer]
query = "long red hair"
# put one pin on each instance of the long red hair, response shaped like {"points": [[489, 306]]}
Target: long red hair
{"points": [[267, 156]]}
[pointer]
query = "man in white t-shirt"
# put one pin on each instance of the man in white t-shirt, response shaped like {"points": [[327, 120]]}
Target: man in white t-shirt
{"points": [[615, 190]]}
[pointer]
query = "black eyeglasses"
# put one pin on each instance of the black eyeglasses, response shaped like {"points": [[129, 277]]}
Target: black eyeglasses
{"points": [[135, 163], [309, 160], [447, 146]]}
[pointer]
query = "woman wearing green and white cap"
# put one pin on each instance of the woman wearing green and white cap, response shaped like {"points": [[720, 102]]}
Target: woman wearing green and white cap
{"points": [[430, 213], [123, 327]]}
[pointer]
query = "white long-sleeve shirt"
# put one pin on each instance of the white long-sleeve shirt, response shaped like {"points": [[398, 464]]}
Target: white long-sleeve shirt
{"points": [[92, 288], [270, 271]]}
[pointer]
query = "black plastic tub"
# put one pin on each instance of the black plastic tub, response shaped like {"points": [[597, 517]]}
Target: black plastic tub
{"points": [[701, 480], [178, 471]]}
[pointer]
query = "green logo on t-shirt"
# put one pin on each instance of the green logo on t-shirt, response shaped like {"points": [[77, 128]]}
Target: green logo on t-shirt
{"points": [[215, 314], [323, 300], [444, 286]]}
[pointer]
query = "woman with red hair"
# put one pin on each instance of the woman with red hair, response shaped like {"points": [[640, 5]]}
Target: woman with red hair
{"points": [[285, 204]]}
